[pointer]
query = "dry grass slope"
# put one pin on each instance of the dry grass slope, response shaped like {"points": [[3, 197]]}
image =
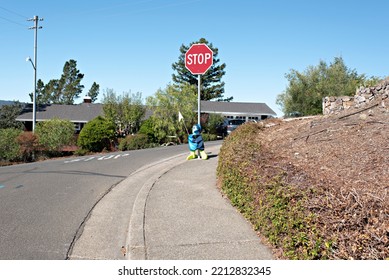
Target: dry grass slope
{"points": [[331, 174]]}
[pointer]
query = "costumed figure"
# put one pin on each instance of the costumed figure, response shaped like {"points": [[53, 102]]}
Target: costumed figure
{"points": [[196, 142]]}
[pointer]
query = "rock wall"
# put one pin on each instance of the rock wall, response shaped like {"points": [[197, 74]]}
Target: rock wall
{"points": [[363, 96]]}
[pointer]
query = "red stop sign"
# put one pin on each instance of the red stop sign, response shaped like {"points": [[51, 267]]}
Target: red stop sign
{"points": [[198, 59]]}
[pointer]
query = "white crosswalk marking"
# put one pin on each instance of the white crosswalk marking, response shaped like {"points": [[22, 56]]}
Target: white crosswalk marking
{"points": [[106, 157], [73, 160]]}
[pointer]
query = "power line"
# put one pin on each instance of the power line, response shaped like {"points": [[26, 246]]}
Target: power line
{"points": [[14, 22], [12, 12]]}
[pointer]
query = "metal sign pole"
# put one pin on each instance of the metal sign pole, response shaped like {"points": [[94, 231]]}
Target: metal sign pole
{"points": [[198, 100]]}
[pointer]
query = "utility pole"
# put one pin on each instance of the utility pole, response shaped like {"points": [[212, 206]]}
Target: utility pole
{"points": [[35, 19]]}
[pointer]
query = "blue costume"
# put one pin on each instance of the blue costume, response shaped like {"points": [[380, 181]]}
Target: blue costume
{"points": [[196, 142]]}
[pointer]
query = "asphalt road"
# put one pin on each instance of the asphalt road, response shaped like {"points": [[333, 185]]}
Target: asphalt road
{"points": [[44, 204]]}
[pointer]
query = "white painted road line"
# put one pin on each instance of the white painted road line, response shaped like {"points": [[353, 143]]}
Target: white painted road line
{"points": [[73, 160], [98, 158]]}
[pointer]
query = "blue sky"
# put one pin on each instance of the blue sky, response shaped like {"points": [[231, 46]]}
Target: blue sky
{"points": [[131, 45]]}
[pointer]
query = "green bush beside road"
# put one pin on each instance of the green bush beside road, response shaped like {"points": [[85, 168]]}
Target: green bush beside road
{"points": [[9, 147], [134, 142], [54, 134], [96, 135], [276, 210]]}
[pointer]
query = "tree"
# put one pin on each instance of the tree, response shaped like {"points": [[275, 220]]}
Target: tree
{"points": [[64, 90], [166, 105], [125, 111], [307, 89], [52, 92], [211, 85], [8, 115], [94, 91], [42, 95], [69, 85]]}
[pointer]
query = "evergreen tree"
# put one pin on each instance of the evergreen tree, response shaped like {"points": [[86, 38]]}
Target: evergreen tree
{"points": [[64, 90], [69, 84], [211, 85], [94, 91], [53, 92], [8, 115], [41, 95]]}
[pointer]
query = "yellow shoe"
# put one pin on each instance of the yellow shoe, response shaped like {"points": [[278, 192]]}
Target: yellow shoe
{"points": [[192, 155], [203, 155]]}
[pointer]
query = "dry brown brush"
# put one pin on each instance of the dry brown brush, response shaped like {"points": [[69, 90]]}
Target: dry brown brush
{"points": [[316, 188]]}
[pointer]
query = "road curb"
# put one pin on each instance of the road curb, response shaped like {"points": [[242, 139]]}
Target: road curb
{"points": [[105, 234], [136, 247], [135, 238]]}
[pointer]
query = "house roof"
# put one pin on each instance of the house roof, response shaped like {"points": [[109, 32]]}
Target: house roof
{"points": [[84, 112], [245, 108], [80, 113]]}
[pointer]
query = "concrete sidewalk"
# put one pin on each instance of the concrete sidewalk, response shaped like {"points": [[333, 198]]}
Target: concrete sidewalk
{"points": [[185, 217], [168, 210]]}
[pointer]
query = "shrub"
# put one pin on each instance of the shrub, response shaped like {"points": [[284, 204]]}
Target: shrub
{"points": [[214, 124], [134, 142], [209, 137], [29, 145], [147, 128], [81, 152], [276, 209], [54, 134], [97, 135], [9, 147]]}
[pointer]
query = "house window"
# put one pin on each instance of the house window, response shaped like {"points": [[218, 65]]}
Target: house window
{"points": [[77, 127]]}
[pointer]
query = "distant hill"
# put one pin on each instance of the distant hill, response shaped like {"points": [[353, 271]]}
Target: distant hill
{"points": [[6, 102]]}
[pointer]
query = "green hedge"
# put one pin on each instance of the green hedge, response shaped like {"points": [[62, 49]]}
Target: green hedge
{"points": [[96, 135], [9, 147], [277, 210], [54, 134], [134, 142]]}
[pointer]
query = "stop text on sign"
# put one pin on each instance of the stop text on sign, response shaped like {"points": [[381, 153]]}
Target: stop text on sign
{"points": [[198, 59]]}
